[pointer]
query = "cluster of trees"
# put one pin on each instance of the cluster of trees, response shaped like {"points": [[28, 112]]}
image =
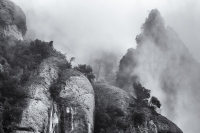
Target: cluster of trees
{"points": [[142, 93], [139, 118], [17, 61], [111, 119], [143, 96], [20, 59], [154, 101], [86, 70]]}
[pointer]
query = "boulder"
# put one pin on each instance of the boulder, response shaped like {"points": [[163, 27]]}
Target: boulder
{"points": [[12, 20], [76, 103], [113, 109], [108, 95]]}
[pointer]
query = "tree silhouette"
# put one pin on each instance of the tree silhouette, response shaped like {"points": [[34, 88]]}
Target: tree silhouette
{"points": [[86, 70], [142, 93], [155, 101]]}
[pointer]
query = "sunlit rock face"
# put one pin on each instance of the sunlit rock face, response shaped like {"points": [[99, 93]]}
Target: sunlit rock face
{"points": [[71, 111], [37, 101], [12, 20], [75, 104]]}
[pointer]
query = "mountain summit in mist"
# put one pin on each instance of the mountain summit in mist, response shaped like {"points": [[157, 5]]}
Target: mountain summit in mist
{"points": [[162, 63], [40, 91]]}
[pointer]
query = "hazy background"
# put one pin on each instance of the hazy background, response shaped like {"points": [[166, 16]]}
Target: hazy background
{"points": [[88, 29], [77, 26]]}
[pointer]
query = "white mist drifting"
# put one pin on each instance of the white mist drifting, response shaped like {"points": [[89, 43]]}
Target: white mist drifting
{"points": [[165, 66]]}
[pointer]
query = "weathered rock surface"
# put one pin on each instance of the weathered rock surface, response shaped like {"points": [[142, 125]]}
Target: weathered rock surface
{"points": [[77, 103], [37, 103], [165, 125], [162, 124], [12, 20], [71, 111]]}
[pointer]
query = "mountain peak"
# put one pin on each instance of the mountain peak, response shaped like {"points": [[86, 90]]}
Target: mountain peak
{"points": [[153, 23]]}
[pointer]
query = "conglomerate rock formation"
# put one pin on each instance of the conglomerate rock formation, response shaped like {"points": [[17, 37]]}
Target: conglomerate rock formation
{"points": [[12, 20], [35, 115], [76, 102], [71, 111]]}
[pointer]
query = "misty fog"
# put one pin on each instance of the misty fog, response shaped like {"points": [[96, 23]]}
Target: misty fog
{"points": [[88, 30], [75, 24]]}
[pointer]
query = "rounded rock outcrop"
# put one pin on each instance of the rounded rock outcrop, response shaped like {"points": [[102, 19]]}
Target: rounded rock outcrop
{"points": [[12, 20], [113, 109], [74, 103], [36, 99]]}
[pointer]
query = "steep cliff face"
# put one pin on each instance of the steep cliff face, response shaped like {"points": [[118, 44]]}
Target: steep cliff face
{"points": [[75, 103], [35, 115], [12, 20], [71, 111]]}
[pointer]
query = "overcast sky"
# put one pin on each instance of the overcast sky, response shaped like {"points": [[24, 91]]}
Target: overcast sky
{"points": [[78, 27]]}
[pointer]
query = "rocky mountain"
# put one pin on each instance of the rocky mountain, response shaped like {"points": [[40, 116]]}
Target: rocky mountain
{"points": [[12, 20], [162, 63], [40, 92]]}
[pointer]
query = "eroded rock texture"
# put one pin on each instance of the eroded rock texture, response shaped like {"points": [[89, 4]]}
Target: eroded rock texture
{"points": [[37, 103], [76, 103], [12, 20], [155, 122]]}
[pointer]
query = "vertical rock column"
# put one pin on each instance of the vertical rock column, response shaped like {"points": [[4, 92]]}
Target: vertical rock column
{"points": [[12, 20], [35, 115], [77, 98]]}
